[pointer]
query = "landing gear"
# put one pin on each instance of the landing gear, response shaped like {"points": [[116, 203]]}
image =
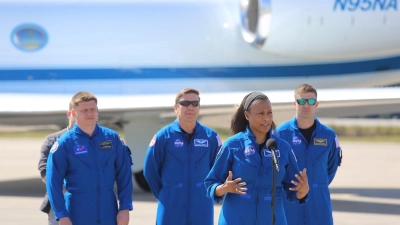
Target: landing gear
{"points": [[141, 181]]}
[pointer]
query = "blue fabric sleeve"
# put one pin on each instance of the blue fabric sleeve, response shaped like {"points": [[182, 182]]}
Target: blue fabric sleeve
{"points": [[218, 173], [57, 164], [152, 165], [124, 176], [291, 170], [334, 160]]}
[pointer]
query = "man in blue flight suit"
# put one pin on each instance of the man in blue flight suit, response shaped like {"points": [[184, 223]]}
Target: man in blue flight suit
{"points": [[317, 148], [178, 159], [88, 159]]}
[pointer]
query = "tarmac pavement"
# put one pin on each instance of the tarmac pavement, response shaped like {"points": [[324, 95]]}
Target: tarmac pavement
{"points": [[366, 189]]}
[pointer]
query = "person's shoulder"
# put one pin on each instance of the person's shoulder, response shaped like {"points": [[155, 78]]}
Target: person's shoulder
{"points": [[284, 126], [56, 134], [327, 129], [235, 138], [207, 129], [109, 132], [165, 131], [281, 142]]}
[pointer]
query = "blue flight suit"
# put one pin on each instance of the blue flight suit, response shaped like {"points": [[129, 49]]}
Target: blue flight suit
{"points": [[240, 155], [89, 166], [175, 168], [321, 157]]}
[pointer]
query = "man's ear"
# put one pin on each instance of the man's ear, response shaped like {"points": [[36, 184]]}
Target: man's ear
{"points": [[73, 113]]}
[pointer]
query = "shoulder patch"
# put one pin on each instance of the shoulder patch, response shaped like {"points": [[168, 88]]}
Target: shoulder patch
{"points": [[337, 141], [153, 141], [219, 140], [54, 147], [122, 141]]}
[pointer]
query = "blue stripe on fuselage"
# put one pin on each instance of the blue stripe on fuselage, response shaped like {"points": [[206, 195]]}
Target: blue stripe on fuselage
{"points": [[392, 63]]}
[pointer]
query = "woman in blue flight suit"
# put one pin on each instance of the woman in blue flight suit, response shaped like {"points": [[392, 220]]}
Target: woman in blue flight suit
{"points": [[245, 157]]}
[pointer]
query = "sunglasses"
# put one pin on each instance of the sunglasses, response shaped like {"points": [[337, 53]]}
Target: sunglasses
{"points": [[187, 103], [310, 101]]}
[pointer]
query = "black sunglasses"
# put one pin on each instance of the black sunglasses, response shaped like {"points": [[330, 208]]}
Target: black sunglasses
{"points": [[310, 101], [186, 103]]}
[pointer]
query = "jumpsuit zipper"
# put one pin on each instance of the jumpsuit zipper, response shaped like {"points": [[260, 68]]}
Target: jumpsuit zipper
{"points": [[258, 189], [186, 137], [97, 172], [306, 160], [190, 172]]}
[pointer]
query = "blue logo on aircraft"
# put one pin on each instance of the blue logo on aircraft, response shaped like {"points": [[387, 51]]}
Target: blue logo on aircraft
{"points": [[29, 37], [365, 5]]}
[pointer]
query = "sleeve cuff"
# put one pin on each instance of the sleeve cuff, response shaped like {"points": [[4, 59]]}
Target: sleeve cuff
{"points": [[303, 200], [43, 173], [214, 197], [126, 206], [61, 215]]}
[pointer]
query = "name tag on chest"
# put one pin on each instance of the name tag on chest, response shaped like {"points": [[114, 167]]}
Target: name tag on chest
{"points": [[105, 145], [200, 142]]}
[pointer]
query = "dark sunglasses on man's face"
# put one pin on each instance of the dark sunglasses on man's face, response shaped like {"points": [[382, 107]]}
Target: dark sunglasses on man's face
{"points": [[186, 103], [310, 101]]}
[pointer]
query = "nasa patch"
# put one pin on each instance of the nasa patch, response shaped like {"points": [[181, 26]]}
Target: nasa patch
{"points": [[54, 147], [178, 143], [250, 150], [153, 141], [296, 140]]}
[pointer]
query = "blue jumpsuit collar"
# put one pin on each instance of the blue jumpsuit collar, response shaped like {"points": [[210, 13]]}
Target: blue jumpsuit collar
{"points": [[81, 132], [251, 135], [177, 127], [295, 126]]}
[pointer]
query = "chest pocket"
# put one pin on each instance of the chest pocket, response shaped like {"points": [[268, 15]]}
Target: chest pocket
{"points": [[319, 154]]}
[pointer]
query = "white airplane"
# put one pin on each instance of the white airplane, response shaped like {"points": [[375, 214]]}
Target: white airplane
{"points": [[135, 55]]}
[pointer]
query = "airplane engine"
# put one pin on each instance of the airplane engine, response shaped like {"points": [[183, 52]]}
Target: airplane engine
{"points": [[255, 18], [341, 29]]}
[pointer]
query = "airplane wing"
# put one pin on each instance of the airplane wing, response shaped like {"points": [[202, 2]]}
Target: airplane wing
{"points": [[28, 108]]}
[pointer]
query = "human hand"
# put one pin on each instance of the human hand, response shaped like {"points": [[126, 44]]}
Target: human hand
{"points": [[234, 186], [123, 217], [302, 187], [64, 221]]}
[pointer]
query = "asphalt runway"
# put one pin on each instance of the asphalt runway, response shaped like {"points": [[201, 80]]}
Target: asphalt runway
{"points": [[366, 189]]}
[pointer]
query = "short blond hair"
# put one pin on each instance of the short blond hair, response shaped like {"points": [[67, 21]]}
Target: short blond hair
{"points": [[82, 96], [305, 88]]}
